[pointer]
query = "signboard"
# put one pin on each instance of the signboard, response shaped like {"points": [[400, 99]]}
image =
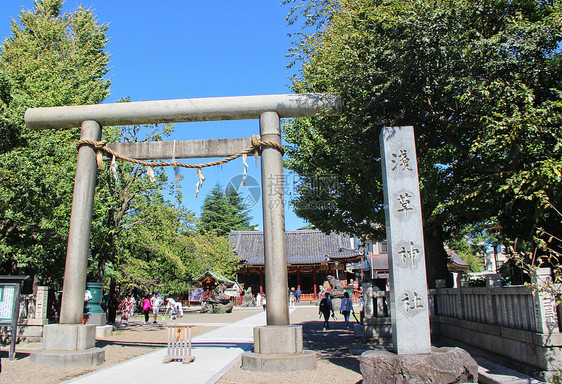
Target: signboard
{"points": [[7, 303], [196, 294], [10, 306]]}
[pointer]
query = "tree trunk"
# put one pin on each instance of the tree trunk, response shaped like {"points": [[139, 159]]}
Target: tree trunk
{"points": [[112, 303], [436, 258]]}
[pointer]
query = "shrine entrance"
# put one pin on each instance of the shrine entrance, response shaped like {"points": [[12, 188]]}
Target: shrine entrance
{"points": [[70, 340]]}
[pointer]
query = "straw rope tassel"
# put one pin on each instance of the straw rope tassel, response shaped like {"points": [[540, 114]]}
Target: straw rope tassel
{"points": [[150, 173], [200, 182], [113, 168], [243, 182]]}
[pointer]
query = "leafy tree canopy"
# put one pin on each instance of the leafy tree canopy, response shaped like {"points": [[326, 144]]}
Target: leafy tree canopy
{"points": [[479, 80], [50, 59], [139, 239]]}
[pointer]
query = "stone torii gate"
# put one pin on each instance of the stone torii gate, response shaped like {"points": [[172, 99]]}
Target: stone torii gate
{"points": [[69, 343]]}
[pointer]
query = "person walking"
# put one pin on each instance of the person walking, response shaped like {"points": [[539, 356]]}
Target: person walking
{"points": [[155, 302], [325, 308], [292, 299], [133, 300], [146, 307], [346, 308], [258, 300], [125, 307]]}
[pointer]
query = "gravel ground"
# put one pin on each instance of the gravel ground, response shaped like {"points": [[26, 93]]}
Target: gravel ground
{"points": [[335, 363]]}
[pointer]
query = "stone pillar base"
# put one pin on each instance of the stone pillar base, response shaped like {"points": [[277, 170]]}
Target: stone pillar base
{"points": [[104, 331], [278, 348], [286, 362], [69, 359], [69, 345], [37, 322], [442, 365], [99, 319]]}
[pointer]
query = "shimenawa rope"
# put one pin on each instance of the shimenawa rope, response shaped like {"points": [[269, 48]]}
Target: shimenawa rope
{"points": [[100, 147]]}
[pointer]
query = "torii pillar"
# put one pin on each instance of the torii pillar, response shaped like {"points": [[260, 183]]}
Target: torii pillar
{"points": [[271, 355]]}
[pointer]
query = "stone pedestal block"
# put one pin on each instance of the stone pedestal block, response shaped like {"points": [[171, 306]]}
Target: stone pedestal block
{"points": [[379, 330], [37, 322], [69, 359], [104, 331], [267, 340], [279, 362], [98, 319], [30, 333], [69, 345], [442, 365], [336, 304], [68, 337], [278, 348]]}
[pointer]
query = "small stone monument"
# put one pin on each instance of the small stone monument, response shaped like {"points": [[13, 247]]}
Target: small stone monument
{"points": [[31, 328], [218, 301], [336, 287], [41, 297], [336, 291], [545, 303]]}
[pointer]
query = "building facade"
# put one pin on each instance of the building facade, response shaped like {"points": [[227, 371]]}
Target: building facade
{"points": [[311, 257]]}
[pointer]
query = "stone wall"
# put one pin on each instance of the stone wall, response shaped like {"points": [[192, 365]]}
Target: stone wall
{"points": [[502, 324]]}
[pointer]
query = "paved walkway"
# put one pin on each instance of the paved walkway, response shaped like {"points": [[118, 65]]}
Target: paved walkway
{"points": [[215, 353]]}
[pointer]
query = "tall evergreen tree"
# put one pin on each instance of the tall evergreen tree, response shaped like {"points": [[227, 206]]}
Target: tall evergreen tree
{"points": [[223, 211]]}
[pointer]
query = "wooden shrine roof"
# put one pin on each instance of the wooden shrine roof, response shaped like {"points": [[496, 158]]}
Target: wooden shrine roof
{"points": [[303, 247]]}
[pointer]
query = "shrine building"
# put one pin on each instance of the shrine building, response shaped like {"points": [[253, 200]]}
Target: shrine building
{"points": [[311, 257]]}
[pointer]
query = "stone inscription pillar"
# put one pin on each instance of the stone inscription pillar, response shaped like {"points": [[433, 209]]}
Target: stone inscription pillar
{"points": [[545, 303], [72, 306], [40, 307], [276, 277], [408, 282]]}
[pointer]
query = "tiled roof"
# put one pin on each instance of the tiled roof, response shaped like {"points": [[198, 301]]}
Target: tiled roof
{"points": [[214, 276], [456, 264], [303, 247]]}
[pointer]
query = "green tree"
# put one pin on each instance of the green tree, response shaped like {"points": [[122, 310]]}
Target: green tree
{"points": [[50, 59], [480, 82], [210, 251], [224, 211], [471, 244], [165, 252], [120, 195], [153, 256]]}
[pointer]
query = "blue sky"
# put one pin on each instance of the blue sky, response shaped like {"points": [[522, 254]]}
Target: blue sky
{"points": [[172, 49]]}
